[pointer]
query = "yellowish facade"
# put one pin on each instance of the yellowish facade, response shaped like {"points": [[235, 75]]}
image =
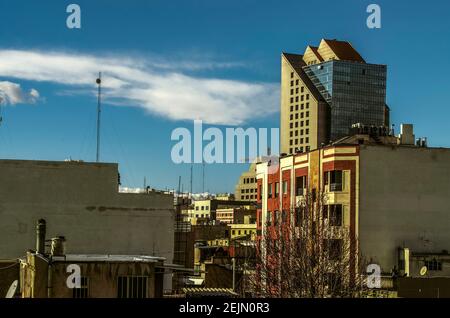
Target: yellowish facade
{"points": [[246, 187], [304, 114], [242, 230]]}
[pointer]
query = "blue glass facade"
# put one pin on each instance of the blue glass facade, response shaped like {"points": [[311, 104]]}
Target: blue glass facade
{"points": [[355, 91]]}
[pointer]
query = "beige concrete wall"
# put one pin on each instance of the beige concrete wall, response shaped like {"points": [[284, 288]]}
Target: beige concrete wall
{"points": [[285, 112], [81, 202], [404, 201]]}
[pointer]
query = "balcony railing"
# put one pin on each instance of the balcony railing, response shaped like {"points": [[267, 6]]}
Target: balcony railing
{"points": [[334, 187]]}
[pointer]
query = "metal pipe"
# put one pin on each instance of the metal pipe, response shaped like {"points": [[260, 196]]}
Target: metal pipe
{"points": [[40, 236]]}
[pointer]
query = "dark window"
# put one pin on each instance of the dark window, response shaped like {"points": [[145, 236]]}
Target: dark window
{"points": [[433, 265], [334, 179], [333, 248], [83, 291], [132, 287], [277, 189], [269, 218], [276, 216], [269, 193], [298, 217], [284, 215], [300, 185]]}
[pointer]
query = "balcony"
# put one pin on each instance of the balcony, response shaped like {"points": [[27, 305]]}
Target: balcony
{"points": [[335, 187]]}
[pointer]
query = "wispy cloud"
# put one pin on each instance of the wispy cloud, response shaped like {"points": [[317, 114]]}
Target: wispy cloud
{"points": [[160, 87], [11, 93]]}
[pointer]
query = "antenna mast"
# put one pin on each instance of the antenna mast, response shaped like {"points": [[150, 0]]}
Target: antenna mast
{"points": [[99, 84], [1, 117]]}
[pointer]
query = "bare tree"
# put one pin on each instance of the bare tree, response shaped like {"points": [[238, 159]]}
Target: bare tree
{"points": [[308, 252]]}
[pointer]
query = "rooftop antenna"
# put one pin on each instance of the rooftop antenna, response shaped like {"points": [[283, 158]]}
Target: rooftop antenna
{"points": [[179, 185], [1, 117], [192, 168], [203, 177], [99, 84]]}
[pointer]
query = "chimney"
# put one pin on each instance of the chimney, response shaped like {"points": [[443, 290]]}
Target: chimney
{"points": [[58, 246], [40, 236]]}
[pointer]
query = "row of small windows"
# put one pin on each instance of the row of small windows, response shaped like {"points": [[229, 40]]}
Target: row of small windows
{"points": [[302, 115], [248, 197], [273, 189], [295, 141], [306, 123], [224, 214], [248, 191], [332, 214], [302, 98], [203, 207], [297, 90], [249, 180], [299, 149], [239, 232], [302, 132], [302, 106]]}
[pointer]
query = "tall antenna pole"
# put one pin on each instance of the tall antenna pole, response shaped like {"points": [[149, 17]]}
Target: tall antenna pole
{"points": [[1, 117], [191, 178], [203, 177], [99, 109], [179, 184]]}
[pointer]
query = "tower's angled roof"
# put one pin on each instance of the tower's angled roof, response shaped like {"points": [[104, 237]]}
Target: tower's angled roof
{"points": [[297, 63], [343, 50]]}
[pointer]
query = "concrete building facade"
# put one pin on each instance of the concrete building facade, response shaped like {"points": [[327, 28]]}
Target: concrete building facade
{"points": [[389, 197], [81, 201], [325, 91]]}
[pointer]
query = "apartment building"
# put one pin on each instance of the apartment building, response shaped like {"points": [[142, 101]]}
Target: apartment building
{"points": [[325, 91], [389, 193], [246, 186]]}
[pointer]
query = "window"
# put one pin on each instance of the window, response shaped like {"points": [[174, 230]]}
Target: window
{"points": [[333, 248], [83, 291], [292, 74], [433, 265], [203, 208], [298, 217], [303, 89], [269, 218], [269, 187], [334, 179], [196, 208], [233, 232], [132, 287], [300, 185], [285, 187], [277, 189], [334, 214], [276, 216], [284, 215]]}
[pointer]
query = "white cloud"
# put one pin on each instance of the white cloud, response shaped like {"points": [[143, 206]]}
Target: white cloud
{"points": [[159, 87], [12, 93]]}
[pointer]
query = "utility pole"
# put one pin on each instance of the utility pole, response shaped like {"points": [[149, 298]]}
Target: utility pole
{"points": [[203, 177], [1, 117], [99, 84], [192, 168]]}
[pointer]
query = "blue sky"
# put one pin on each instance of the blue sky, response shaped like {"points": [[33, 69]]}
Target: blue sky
{"points": [[189, 50]]}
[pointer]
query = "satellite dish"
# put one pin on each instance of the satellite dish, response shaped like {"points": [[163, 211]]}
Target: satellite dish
{"points": [[12, 289], [423, 271]]}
